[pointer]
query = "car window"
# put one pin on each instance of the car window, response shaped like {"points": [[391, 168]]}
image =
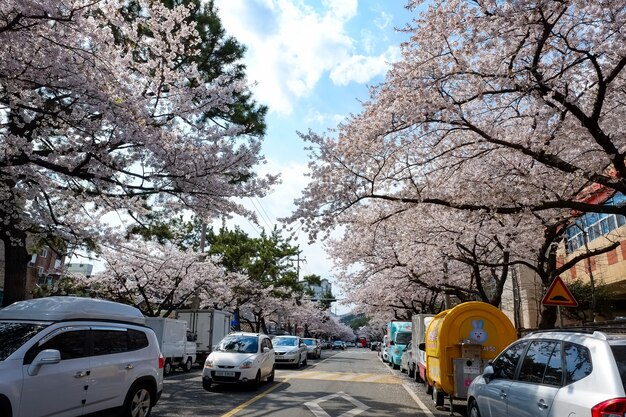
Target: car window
{"points": [[285, 341], [137, 340], [619, 353], [535, 362], [403, 338], [14, 335], [71, 344], [239, 344], [577, 362], [554, 369], [107, 342], [506, 364], [309, 342]]}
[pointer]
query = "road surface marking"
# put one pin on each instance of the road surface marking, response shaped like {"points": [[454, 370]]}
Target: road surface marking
{"points": [[418, 401], [316, 409], [345, 376], [254, 399]]}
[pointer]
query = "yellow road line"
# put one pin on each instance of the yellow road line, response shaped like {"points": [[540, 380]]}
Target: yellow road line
{"points": [[254, 399]]}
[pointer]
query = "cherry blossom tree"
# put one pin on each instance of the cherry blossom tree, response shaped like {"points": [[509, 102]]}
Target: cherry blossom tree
{"points": [[99, 114], [498, 108], [155, 278]]}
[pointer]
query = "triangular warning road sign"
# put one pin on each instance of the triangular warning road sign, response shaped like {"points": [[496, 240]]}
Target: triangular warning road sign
{"points": [[559, 295]]}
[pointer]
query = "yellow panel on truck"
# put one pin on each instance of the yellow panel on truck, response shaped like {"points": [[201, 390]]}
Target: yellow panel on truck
{"points": [[459, 343]]}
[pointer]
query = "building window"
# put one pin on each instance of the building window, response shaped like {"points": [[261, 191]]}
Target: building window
{"points": [[44, 253], [40, 270], [591, 226]]}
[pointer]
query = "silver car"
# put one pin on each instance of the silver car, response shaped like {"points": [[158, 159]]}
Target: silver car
{"points": [[554, 374], [290, 350], [313, 347]]}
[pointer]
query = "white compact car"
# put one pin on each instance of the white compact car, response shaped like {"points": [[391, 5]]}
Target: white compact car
{"points": [[240, 358], [71, 356], [290, 350]]}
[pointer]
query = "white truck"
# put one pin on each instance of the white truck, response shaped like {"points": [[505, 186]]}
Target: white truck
{"points": [[177, 344], [417, 362], [209, 326]]}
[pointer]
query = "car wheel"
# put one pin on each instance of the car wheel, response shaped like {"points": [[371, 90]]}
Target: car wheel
{"points": [[257, 380], [427, 387], [394, 366], [206, 384], [438, 396], [188, 365], [138, 402], [306, 361], [473, 410], [270, 378], [167, 368], [411, 372]]}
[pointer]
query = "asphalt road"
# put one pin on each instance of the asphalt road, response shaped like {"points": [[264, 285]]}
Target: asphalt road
{"points": [[341, 384]]}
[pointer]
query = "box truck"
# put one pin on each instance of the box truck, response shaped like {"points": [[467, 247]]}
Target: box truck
{"points": [[176, 342], [209, 327], [398, 336], [417, 361]]}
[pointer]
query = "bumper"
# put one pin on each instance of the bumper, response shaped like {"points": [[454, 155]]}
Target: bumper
{"points": [[230, 376], [287, 358]]}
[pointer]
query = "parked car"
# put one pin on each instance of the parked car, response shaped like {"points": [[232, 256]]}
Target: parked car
{"points": [[554, 374], [406, 361], [375, 346], [290, 350], [313, 348], [73, 356], [339, 344], [240, 358]]}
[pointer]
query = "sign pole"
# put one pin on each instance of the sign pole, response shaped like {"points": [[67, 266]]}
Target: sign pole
{"points": [[558, 312]]}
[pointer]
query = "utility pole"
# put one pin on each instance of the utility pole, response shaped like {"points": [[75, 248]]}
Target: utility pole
{"points": [[298, 260]]}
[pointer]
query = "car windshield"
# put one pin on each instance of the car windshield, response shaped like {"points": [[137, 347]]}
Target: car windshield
{"points": [[285, 341], [309, 342], [338, 342], [239, 344], [403, 338], [619, 353], [13, 335]]}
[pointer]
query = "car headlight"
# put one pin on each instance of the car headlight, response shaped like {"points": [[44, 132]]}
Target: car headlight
{"points": [[246, 364], [208, 363]]}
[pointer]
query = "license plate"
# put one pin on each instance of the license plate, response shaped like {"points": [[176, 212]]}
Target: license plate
{"points": [[224, 373]]}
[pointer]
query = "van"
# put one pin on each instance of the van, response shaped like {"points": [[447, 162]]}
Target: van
{"points": [[71, 356]]}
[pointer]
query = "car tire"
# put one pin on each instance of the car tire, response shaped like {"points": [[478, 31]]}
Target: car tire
{"points": [[271, 376], [167, 368], [473, 410], [5, 407], [438, 396], [188, 365], [206, 384], [138, 401], [427, 387], [418, 376], [411, 372], [306, 361], [257, 380]]}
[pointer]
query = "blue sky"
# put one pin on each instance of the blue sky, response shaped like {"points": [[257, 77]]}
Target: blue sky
{"points": [[311, 62]]}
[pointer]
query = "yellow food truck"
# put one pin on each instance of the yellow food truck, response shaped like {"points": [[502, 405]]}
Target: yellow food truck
{"points": [[459, 343]]}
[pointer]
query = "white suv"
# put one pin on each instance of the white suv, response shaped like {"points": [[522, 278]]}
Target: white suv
{"points": [[70, 356], [554, 374]]}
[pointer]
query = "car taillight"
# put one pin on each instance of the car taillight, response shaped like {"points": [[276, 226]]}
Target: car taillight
{"points": [[610, 408], [161, 362]]}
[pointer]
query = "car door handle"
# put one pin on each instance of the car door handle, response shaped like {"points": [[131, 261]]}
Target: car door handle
{"points": [[503, 394], [130, 366], [81, 374], [542, 404]]}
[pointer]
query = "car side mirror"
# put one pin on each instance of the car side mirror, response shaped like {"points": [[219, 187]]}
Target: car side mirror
{"points": [[488, 373], [422, 346], [266, 349], [45, 357]]}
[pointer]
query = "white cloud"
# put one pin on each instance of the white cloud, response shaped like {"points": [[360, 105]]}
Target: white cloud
{"points": [[291, 45], [361, 69]]}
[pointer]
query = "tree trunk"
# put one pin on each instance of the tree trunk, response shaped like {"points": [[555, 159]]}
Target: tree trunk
{"points": [[548, 317], [15, 271]]}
